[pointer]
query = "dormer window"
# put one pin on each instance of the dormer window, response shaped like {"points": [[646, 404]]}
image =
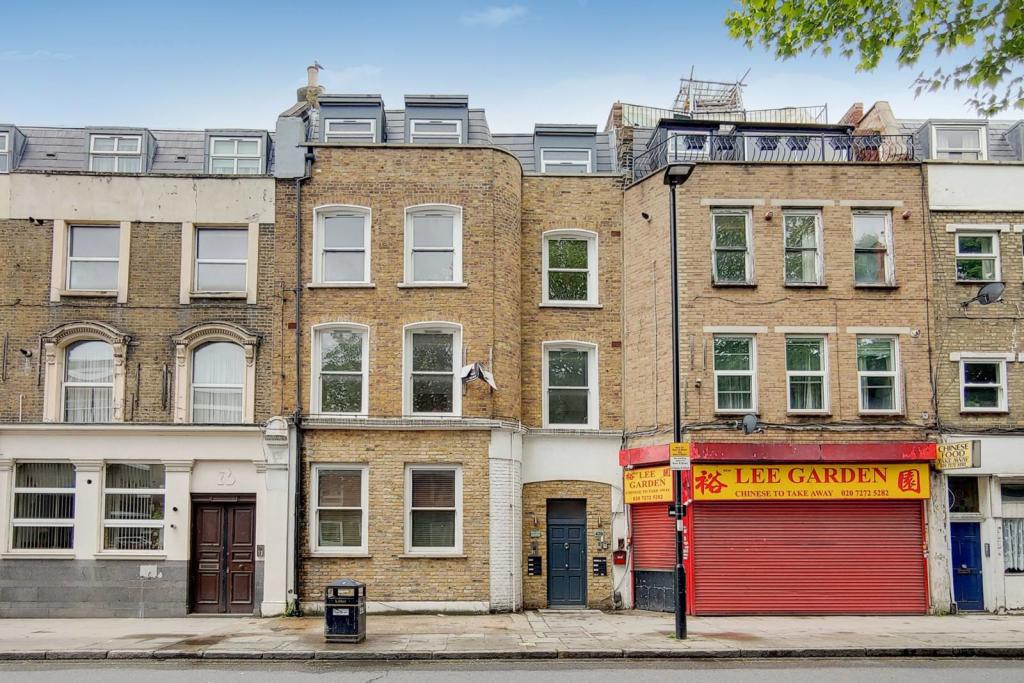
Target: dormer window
{"points": [[350, 130], [115, 153], [5, 152], [961, 143], [435, 131], [574, 161], [236, 156]]}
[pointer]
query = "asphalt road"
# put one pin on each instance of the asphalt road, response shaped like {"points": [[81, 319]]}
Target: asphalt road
{"points": [[634, 671]]}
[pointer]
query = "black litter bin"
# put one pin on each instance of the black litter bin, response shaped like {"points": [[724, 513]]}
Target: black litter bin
{"points": [[345, 611]]}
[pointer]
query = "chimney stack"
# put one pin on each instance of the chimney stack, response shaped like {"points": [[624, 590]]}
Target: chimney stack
{"points": [[312, 91]]}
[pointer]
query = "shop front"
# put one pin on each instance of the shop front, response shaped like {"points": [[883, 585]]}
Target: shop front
{"points": [[789, 529]]}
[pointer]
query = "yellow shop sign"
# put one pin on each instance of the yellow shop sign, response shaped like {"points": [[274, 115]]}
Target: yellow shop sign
{"points": [[647, 485], [846, 481]]}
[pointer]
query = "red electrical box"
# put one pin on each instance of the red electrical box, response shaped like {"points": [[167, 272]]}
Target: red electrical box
{"points": [[619, 557]]}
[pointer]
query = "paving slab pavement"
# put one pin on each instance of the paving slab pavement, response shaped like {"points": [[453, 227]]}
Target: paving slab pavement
{"points": [[542, 634]]}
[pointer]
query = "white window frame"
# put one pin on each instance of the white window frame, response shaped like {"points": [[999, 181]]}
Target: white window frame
{"points": [[982, 141], [325, 211], [115, 153], [34, 522], [819, 257], [544, 163], [437, 327], [1002, 407], [890, 262], [591, 239], [185, 344], [197, 260], [5, 152], [456, 213], [65, 384], [314, 530], [61, 248], [414, 550], [593, 383], [752, 373], [348, 135], [315, 385], [426, 136], [749, 255], [236, 156], [895, 373], [91, 259], [995, 235], [131, 523], [823, 374]]}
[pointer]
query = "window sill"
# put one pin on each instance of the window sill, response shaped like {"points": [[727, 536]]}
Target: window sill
{"points": [[428, 285], [36, 555], [217, 295], [881, 285], [806, 285], [881, 413], [975, 283], [339, 556], [984, 411], [433, 556], [88, 293], [568, 305], [140, 555], [748, 285], [572, 428], [809, 413], [736, 413], [340, 285]]}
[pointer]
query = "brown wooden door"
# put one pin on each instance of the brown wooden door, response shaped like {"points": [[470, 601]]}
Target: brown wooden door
{"points": [[223, 571]]}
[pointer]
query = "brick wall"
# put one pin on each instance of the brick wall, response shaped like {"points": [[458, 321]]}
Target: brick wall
{"points": [[585, 203], [770, 303], [151, 316], [599, 514]]}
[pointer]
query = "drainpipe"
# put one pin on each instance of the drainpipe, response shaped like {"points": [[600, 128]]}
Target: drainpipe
{"points": [[297, 415]]}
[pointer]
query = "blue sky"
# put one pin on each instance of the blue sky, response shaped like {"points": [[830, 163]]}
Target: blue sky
{"points": [[189, 64]]}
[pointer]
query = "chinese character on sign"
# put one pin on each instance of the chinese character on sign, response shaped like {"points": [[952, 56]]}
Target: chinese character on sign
{"points": [[709, 482], [909, 480]]}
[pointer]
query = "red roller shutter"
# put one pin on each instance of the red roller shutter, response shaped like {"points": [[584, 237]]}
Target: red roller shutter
{"points": [[653, 537], [809, 557]]}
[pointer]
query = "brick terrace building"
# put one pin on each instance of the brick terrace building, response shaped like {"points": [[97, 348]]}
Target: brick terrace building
{"points": [[136, 306]]}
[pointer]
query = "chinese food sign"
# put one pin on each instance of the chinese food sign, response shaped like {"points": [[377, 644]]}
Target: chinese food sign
{"points": [[808, 482]]}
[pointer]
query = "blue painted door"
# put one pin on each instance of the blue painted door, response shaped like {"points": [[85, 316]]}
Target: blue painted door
{"points": [[567, 556], [967, 582]]}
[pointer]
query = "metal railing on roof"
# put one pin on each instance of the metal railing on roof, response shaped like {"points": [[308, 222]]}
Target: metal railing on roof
{"points": [[640, 116], [667, 147]]}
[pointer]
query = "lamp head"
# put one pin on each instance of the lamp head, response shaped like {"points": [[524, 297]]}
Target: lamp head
{"points": [[678, 173]]}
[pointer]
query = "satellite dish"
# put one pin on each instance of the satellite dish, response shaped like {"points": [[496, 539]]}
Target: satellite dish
{"points": [[990, 293], [749, 424]]}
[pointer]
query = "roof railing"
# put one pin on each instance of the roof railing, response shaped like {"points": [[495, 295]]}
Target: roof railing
{"points": [[640, 116]]}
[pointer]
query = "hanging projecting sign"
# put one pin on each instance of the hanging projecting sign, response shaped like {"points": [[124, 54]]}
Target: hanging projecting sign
{"points": [[958, 455], [647, 485], [805, 482]]}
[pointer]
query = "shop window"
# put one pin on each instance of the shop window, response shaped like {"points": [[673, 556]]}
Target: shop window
{"points": [[133, 507], [963, 494], [44, 506], [433, 497], [735, 374], [341, 509]]}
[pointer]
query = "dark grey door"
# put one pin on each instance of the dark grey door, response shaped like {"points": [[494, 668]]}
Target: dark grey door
{"points": [[567, 553]]}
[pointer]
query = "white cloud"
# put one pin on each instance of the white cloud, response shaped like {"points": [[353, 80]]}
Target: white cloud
{"points": [[33, 56], [492, 17]]}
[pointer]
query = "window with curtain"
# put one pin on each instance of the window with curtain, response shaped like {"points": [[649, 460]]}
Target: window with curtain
{"points": [[218, 378], [433, 245], [340, 508], [734, 374], [44, 506], [93, 257], [569, 394], [133, 506], [1013, 545], [961, 143], [977, 257], [342, 363], [343, 244], [89, 382], [221, 259], [432, 380], [434, 509], [802, 256], [872, 248], [731, 245], [805, 374], [876, 374]]}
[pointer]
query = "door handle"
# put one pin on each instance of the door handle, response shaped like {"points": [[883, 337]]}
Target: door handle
{"points": [[566, 546]]}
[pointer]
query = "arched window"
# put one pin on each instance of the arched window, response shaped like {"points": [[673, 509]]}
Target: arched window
{"points": [[89, 382], [83, 373], [218, 383]]}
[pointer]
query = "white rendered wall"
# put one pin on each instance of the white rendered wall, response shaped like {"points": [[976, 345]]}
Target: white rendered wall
{"points": [[506, 520], [987, 186]]}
